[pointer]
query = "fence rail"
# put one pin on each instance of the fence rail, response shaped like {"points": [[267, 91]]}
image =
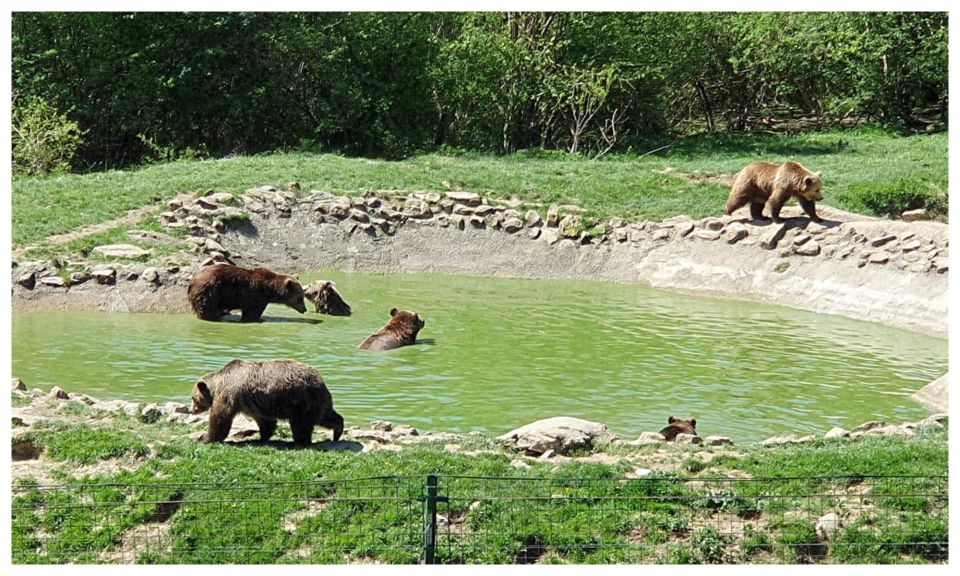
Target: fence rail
{"points": [[463, 519]]}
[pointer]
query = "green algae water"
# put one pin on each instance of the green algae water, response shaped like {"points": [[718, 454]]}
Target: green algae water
{"points": [[500, 353]]}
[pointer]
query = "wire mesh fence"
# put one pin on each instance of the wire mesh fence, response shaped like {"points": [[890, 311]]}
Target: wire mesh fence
{"points": [[461, 519]]}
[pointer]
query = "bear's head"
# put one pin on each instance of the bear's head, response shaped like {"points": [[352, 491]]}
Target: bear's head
{"points": [[679, 426], [811, 185], [408, 320], [324, 295], [291, 294], [202, 397]]}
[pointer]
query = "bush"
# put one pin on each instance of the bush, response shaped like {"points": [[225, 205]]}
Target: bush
{"points": [[892, 199], [44, 140]]}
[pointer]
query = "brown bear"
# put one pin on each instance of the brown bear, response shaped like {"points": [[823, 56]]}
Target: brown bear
{"points": [[324, 295], [773, 184], [401, 330], [679, 426], [216, 290], [266, 391]]}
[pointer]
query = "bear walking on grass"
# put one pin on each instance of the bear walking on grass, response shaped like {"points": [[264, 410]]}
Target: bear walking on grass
{"points": [[773, 184], [679, 426], [266, 391], [401, 330], [216, 290], [324, 295]]}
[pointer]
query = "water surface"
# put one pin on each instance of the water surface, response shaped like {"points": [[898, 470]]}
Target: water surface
{"points": [[499, 353]]}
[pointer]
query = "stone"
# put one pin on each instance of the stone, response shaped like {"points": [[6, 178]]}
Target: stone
{"points": [[58, 393], [176, 408], [735, 232], [469, 198], [570, 226], [377, 436], [533, 233], [791, 439], [519, 464], [567, 244], [551, 236], [879, 258], [532, 218], [684, 229], [562, 434], [293, 186], [688, 439], [867, 426], [78, 278], [889, 430], [150, 413], [492, 221], [512, 225], [477, 221], [359, 215], [941, 265], [717, 441], [28, 280], [714, 224], [648, 438], [703, 234], [128, 251], [406, 431], [150, 275], [617, 222], [881, 240], [914, 215], [935, 395], [18, 384], [553, 216], [771, 237], [827, 526], [802, 239], [835, 433], [619, 234], [811, 248], [17, 421], [910, 246], [483, 210], [642, 472], [547, 455], [227, 198], [381, 425], [54, 281]]}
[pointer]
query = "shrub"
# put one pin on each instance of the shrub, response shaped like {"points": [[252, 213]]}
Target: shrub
{"points": [[44, 140]]}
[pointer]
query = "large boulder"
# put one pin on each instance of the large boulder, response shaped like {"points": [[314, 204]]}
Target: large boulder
{"points": [[562, 434]]}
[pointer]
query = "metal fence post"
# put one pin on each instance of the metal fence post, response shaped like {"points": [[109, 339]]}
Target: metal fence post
{"points": [[430, 519]]}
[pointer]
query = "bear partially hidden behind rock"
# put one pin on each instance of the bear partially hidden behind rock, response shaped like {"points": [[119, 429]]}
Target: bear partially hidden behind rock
{"points": [[326, 299], [401, 330], [679, 426], [216, 290], [266, 391], [773, 184]]}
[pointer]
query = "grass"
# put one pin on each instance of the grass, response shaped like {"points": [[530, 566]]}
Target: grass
{"points": [[864, 171], [268, 503]]}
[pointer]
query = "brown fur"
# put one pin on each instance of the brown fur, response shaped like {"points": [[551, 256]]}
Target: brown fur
{"points": [[326, 299], [773, 184], [401, 330], [679, 426], [266, 391], [216, 290]]}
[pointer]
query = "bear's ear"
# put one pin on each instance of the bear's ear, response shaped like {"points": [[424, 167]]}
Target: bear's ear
{"points": [[204, 389], [671, 420], [693, 422], [819, 175], [807, 182], [290, 283], [393, 311]]}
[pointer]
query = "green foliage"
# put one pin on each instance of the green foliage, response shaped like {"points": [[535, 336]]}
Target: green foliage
{"points": [[88, 444], [709, 545], [798, 540], [158, 86], [44, 140], [892, 198]]}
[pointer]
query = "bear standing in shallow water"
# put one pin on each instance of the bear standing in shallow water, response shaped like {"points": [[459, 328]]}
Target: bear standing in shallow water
{"points": [[401, 330], [216, 290], [773, 184], [266, 391]]}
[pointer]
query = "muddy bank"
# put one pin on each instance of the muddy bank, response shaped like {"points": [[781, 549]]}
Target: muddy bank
{"points": [[891, 272]]}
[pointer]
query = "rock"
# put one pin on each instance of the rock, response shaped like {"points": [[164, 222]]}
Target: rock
{"points": [[881, 240], [941, 265], [533, 233], [648, 438], [150, 413], [477, 221], [561, 434], [59, 393], [519, 464], [867, 426], [468, 198], [19, 385], [642, 472], [914, 215], [718, 441], [888, 430], [176, 408], [688, 439], [406, 431], [54, 281], [512, 225], [714, 224], [381, 425], [704, 234], [779, 440], [934, 396], [827, 526], [770, 238], [684, 229], [551, 236], [224, 197], [553, 216], [802, 239], [836, 432], [121, 251], [811, 248], [78, 278], [28, 280], [375, 435], [879, 258], [617, 222], [359, 215], [17, 422], [735, 232], [150, 275], [570, 226], [547, 455], [483, 210], [532, 218]]}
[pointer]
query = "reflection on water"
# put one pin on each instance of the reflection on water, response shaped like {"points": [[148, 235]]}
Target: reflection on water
{"points": [[498, 353]]}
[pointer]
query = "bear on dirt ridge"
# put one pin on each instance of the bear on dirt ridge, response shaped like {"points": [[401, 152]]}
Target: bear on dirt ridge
{"points": [[216, 290], [266, 391], [401, 330], [679, 426], [773, 184], [324, 295]]}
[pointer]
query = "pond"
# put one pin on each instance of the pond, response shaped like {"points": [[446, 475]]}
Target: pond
{"points": [[498, 353]]}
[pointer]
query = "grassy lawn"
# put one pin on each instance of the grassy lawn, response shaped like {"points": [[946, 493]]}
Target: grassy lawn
{"points": [[863, 170], [256, 503]]}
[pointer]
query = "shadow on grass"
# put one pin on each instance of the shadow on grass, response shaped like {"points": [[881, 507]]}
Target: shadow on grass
{"points": [[321, 446]]}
